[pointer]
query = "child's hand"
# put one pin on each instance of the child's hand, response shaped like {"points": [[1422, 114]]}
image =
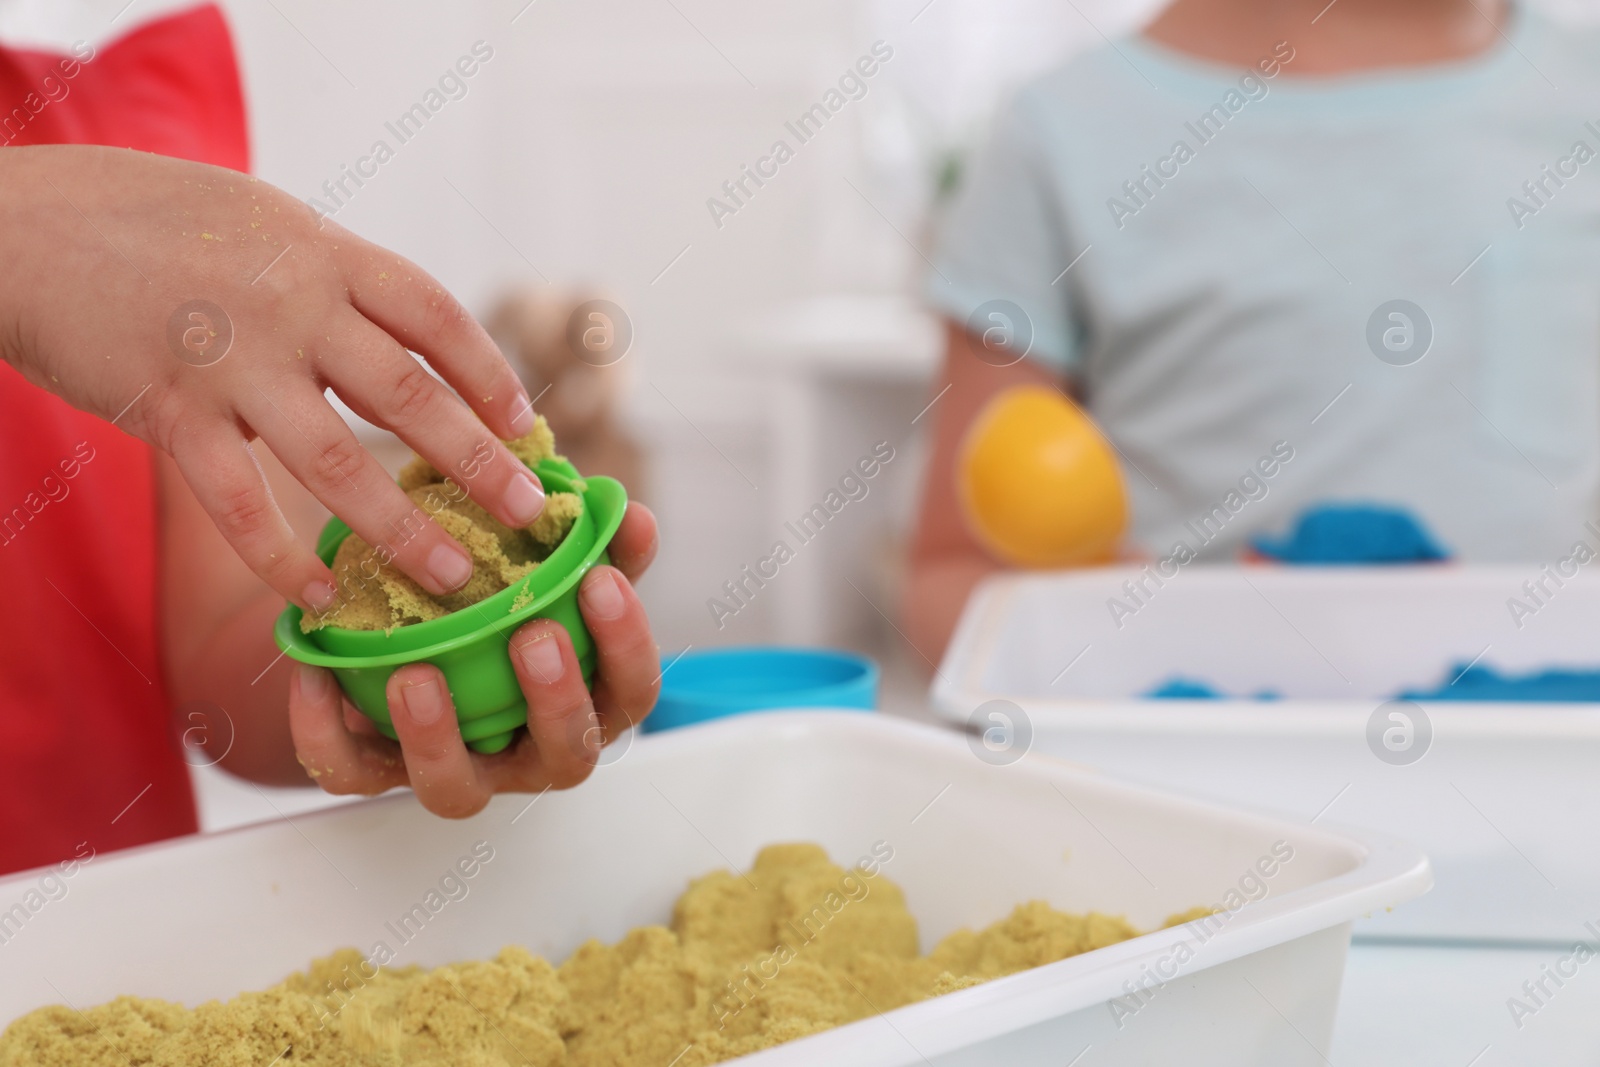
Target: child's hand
{"points": [[200, 310], [344, 753]]}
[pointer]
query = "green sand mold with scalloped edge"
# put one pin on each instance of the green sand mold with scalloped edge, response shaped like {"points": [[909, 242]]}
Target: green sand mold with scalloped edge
{"points": [[471, 646]]}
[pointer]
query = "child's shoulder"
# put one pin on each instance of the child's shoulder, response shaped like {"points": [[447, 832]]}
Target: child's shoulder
{"points": [[1102, 71], [1099, 84]]}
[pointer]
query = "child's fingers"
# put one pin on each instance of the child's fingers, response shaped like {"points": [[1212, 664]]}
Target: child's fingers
{"points": [[385, 385], [318, 448], [633, 548], [228, 483], [413, 308], [358, 724], [334, 758], [560, 712], [442, 772], [629, 666]]}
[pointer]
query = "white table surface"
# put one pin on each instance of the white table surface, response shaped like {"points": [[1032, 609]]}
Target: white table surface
{"points": [[1438, 1006]]}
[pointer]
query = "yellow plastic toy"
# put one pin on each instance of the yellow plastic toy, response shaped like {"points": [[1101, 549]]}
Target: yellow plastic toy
{"points": [[1039, 483]]}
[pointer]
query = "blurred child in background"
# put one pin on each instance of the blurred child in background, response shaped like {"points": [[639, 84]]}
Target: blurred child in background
{"points": [[1365, 234]]}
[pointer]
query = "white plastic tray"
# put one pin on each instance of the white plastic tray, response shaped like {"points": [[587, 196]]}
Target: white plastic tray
{"points": [[1505, 798], [210, 917]]}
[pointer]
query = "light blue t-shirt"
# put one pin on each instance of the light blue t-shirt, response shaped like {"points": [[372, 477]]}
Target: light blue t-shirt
{"points": [[1213, 255]]}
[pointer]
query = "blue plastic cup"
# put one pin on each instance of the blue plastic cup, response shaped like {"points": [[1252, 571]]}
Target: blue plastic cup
{"points": [[700, 686]]}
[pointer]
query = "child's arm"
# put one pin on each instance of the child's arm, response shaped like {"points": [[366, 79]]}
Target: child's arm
{"points": [[199, 309], [946, 562]]}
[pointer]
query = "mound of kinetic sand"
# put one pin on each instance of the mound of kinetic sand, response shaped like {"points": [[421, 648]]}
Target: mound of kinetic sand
{"points": [[375, 595], [796, 946]]}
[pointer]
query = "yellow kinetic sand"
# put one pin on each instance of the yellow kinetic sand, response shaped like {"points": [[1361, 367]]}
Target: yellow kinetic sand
{"points": [[1039, 483], [501, 556], [796, 946]]}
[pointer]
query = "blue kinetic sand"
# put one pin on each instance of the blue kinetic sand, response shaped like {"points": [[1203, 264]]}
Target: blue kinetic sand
{"points": [[1557, 685], [1462, 682], [1355, 535], [699, 686], [1189, 689]]}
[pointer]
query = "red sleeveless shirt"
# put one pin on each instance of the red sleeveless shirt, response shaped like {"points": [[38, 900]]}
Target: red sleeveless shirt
{"points": [[87, 750]]}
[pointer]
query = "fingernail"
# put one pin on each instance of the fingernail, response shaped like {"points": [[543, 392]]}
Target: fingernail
{"points": [[524, 499], [319, 595], [450, 567], [312, 682], [423, 700], [602, 598], [521, 414], [541, 658]]}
